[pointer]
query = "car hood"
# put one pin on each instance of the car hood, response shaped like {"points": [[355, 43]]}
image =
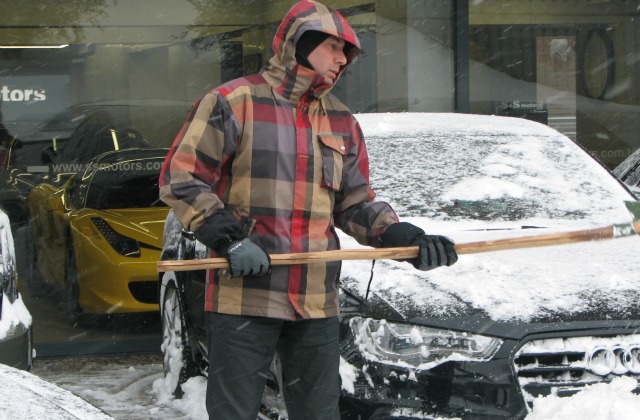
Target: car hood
{"points": [[506, 293]]}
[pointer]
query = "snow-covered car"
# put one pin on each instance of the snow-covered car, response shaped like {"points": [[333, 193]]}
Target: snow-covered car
{"points": [[629, 172], [491, 334], [26, 396], [15, 320]]}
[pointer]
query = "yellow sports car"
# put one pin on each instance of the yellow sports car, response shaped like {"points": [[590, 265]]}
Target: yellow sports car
{"points": [[97, 237]]}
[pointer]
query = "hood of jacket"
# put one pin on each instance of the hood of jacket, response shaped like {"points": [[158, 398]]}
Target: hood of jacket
{"points": [[288, 78]]}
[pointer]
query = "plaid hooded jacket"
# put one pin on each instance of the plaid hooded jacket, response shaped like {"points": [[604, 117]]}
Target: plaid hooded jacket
{"points": [[286, 157]]}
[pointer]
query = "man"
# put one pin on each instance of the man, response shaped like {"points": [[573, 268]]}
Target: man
{"points": [[272, 163]]}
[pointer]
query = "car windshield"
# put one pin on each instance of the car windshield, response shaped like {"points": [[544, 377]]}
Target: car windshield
{"points": [[116, 187], [477, 171], [97, 135], [65, 121]]}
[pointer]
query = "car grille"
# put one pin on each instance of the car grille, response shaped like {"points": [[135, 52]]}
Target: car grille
{"points": [[144, 291], [563, 366]]}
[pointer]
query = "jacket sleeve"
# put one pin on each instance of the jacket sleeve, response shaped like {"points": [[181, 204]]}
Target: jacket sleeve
{"points": [[355, 212], [191, 174]]}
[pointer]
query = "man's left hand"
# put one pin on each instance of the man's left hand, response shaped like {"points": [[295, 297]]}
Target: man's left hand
{"points": [[434, 250]]}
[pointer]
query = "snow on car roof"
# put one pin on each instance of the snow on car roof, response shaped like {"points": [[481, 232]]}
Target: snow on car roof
{"points": [[429, 164]]}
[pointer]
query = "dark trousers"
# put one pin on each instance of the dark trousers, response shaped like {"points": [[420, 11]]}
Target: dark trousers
{"points": [[241, 349]]}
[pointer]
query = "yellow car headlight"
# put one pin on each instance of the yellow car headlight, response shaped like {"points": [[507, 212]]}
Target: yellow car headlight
{"points": [[123, 245]]}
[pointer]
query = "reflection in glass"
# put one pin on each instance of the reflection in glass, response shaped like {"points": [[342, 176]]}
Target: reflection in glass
{"points": [[121, 76]]}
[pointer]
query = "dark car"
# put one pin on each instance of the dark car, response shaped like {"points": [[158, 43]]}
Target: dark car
{"points": [[15, 320], [629, 172], [110, 125], [491, 334], [99, 132]]}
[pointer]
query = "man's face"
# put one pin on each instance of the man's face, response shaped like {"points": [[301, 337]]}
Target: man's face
{"points": [[328, 57]]}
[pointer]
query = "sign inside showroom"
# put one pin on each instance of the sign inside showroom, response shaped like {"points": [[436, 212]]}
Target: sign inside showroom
{"points": [[30, 100]]}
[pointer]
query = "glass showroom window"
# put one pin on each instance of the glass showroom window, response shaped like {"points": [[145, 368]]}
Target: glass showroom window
{"points": [[93, 94], [78, 79], [568, 64]]}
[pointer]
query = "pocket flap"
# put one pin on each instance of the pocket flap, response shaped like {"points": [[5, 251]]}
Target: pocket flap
{"points": [[335, 143]]}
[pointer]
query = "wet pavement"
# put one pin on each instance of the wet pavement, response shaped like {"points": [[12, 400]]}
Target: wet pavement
{"points": [[122, 386]]}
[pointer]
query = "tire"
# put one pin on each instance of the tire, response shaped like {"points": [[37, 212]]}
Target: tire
{"points": [[178, 362]]}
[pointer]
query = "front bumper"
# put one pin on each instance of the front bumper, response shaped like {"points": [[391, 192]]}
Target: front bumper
{"points": [[558, 362], [453, 389], [117, 286]]}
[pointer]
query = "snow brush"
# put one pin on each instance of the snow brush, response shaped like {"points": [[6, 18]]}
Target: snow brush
{"points": [[596, 234]]}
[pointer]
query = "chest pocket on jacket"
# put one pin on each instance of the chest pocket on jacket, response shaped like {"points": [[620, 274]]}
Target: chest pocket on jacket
{"points": [[333, 151]]}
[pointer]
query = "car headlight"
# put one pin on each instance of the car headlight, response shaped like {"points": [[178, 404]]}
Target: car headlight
{"points": [[125, 246], [416, 345]]}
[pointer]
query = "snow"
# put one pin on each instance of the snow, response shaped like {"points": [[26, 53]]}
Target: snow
{"points": [[13, 313], [563, 275], [550, 279], [191, 403], [612, 401], [133, 389], [25, 396]]}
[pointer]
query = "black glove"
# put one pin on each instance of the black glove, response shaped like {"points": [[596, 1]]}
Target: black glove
{"points": [[219, 230], [246, 259], [434, 251], [224, 234]]}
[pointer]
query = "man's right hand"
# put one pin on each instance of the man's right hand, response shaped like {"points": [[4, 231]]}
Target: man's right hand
{"points": [[224, 234], [247, 259]]}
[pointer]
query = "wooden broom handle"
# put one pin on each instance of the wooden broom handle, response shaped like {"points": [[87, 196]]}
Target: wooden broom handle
{"points": [[608, 232]]}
